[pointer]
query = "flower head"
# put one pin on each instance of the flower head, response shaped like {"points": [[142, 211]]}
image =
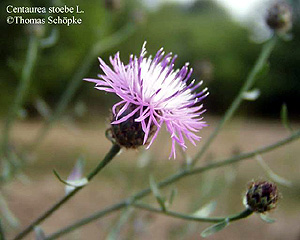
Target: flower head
{"points": [[152, 94], [261, 196], [279, 17]]}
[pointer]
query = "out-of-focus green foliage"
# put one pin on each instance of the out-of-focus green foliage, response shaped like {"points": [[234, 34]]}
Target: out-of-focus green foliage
{"points": [[217, 48]]}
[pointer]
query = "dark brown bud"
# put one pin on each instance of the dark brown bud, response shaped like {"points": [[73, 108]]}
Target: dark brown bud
{"points": [[129, 134], [261, 196], [112, 4], [279, 17]]}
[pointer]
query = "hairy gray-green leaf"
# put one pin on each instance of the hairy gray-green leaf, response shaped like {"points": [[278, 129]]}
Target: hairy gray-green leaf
{"points": [[266, 218], [214, 228], [273, 176], [251, 95], [75, 183]]}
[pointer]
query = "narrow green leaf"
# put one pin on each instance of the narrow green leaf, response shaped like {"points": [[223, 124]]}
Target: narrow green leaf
{"points": [[266, 218], [59, 178], [215, 228], [39, 233], [75, 178], [284, 118], [154, 187], [172, 196], [272, 175], [75, 183], [156, 193]]}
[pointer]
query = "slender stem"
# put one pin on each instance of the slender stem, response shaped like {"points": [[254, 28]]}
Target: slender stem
{"points": [[98, 48], [173, 178], [85, 221], [247, 212], [31, 56], [260, 62], [109, 156], [247, 155]]}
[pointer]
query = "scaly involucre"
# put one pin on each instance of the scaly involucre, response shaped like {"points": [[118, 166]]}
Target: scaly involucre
{"points": [[158, 93]]}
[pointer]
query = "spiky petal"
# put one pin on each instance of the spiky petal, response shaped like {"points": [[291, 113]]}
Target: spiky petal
{"points": [[159, 94]]}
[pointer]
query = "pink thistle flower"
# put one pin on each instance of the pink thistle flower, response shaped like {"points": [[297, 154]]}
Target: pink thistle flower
{"points": [[153, 93]]}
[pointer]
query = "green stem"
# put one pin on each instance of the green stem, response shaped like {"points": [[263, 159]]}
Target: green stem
{"points": [[31, 56], [97, 49], [260, 62], [175, 177], [109, 156], [247, 212]]}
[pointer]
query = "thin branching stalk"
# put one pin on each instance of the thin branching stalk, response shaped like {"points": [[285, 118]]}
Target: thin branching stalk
{"points": [[31, 57], [109, 156], [97, 49], [173, 178], [247, 212], [259, 65]]}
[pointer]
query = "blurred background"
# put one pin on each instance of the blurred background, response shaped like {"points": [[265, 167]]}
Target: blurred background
{"points": [[218, 38], [221, 40]]}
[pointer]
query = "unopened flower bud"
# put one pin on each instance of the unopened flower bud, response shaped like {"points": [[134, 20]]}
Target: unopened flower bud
{"points": [[261, 196], [112, 4], [129, 133], [279, 17]]}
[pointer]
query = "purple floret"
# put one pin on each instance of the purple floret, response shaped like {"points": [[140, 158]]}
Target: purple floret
{"points": [[159, 93]]}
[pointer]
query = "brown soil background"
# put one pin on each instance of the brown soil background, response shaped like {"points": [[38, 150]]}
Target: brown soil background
{"points": [[125, 176]]}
